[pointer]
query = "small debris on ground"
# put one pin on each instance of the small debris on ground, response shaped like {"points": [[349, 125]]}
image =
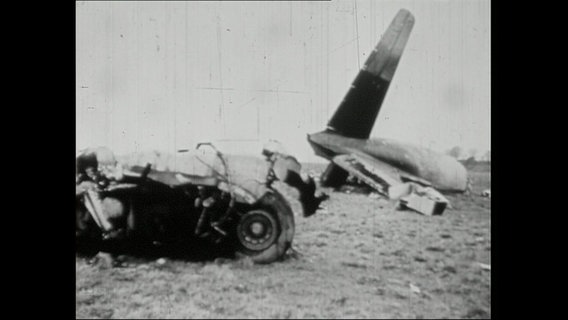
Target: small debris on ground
{"points": [[415, 289], [484, 266]]}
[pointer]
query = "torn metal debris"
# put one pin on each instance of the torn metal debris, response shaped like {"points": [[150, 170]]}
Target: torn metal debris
{"points": [[412, 192], [228, 202], [424, 200]]}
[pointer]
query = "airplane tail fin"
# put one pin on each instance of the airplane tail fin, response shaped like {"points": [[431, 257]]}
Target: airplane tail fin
{"points": [[358, 111]]}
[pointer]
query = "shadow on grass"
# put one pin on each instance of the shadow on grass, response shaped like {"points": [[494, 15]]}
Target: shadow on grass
{"points": [[194, 250]]}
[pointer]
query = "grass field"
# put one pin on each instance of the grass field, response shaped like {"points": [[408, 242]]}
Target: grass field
{"points": [[357, 258]]}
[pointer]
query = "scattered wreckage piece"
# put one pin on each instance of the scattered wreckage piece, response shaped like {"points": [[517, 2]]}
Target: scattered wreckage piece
{"points": [[424, 200], [486, 193], [211, 199]]}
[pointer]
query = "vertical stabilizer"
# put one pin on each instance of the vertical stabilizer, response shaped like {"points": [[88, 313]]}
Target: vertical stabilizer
{"points": [[358, 111]]}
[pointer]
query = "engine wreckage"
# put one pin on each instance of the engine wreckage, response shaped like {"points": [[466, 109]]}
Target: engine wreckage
{"points": [[228, 202]]}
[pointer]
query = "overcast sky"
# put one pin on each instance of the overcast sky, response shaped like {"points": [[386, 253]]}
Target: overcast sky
{"points": [[166, 75]]}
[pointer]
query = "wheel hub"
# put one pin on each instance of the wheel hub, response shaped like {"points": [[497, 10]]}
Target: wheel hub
{"points": [[257, 230]]}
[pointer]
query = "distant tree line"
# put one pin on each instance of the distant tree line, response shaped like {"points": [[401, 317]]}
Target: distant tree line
{"points": [[471, 155]]}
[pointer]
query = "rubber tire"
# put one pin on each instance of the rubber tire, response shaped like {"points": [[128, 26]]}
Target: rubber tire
{"points": [[277, 205]]}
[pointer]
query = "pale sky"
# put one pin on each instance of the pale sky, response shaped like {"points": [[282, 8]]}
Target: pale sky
{"points": [[166, 75]]}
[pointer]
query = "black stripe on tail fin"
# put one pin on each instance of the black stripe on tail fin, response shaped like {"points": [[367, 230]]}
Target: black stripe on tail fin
{"points": [[358, 111]]}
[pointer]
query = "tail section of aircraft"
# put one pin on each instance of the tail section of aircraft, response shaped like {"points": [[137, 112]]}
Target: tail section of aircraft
{"points": [[358, 111]]}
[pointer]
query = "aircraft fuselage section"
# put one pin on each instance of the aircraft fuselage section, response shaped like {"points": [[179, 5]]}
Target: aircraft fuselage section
{"points": [[444, 172]]}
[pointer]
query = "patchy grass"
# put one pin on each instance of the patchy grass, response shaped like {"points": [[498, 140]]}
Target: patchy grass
{"points": [[356, 260]]}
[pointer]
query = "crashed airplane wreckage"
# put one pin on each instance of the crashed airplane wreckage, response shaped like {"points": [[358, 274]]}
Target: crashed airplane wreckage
{"points": [[396, 170], [225, 201]]}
